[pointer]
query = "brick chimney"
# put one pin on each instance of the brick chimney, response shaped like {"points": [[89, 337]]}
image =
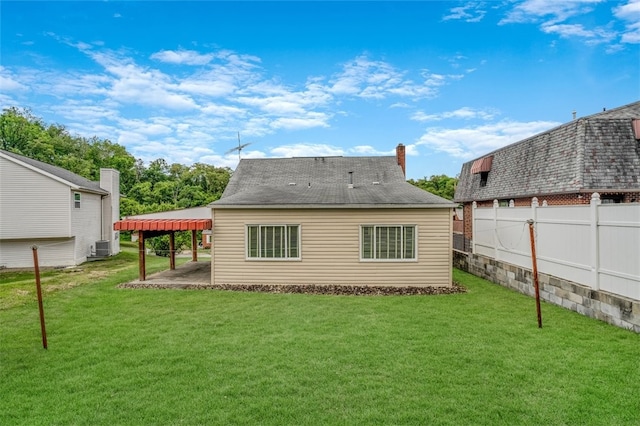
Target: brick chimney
{"points": [[401, 159]]}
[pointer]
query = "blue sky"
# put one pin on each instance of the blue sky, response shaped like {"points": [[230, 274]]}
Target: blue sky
{"points": [[451, 80]]}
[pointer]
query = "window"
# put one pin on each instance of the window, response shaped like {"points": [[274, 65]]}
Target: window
{"points": [[273, 241], [611, 199], [388, 242], [483, 178], [76, 200]]}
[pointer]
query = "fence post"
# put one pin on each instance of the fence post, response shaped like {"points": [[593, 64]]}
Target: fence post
{"points": [[474, 206], [496, 204], [595, 241]]}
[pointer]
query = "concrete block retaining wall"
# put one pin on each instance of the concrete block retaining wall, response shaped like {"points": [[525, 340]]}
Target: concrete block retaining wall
{"points": [[611, 308]]}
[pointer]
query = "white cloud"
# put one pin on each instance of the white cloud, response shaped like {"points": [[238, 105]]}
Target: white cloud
{"points": [[218, 87], [470, 142], [224, 111], [133, 139], [558, 11], [146, 127], [630, 13], [570, 19], [8, 84], [461, 113], [309, 121], [370, 79], [472, 11], [74, 85], [307, 150], [598, 35], [85, 112], [368, 150], [186, 57]]}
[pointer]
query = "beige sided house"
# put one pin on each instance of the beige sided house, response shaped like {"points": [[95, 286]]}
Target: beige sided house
{"points": [[330, 220]]}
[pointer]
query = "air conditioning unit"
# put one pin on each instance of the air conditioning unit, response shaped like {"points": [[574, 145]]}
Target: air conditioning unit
{"points": [[102, 248]]}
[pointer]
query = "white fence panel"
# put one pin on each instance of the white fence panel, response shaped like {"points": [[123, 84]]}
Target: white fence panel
{"points": [[563, 242], [512, 235], [595, 245], [483, 232], [619, 238]]}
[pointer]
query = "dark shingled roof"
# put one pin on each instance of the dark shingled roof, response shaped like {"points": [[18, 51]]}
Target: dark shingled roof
{"points": [[74, 179], [594, 153], [323, 182]]}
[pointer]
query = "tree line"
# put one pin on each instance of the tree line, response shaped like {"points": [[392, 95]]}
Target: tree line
{"points": [[158, 186]]}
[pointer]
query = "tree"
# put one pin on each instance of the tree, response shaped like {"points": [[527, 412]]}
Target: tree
{"points": [[158, 187], [157, 171], [106, 154], [17, 129], [441, 185]]}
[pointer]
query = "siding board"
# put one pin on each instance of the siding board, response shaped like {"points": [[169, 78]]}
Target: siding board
{"points": [[330, 248], [23, 206], [86, 225]]}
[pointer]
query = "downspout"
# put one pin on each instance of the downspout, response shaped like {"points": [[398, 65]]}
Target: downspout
{"points": [[102, 218]]}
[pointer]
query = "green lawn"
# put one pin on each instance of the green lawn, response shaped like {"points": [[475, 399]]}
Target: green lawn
{"points": [[119, 356]]}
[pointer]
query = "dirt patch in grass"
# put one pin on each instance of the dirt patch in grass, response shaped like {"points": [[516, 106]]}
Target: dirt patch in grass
{"points": [[342, 290], [55, 287]]}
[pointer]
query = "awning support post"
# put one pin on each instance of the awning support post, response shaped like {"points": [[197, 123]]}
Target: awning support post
{"points": [[141, 257], [172, 251], [194, 246]]}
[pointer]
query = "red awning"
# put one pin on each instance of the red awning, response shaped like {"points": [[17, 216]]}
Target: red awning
{"points": [[163, 224], [482, 165]]}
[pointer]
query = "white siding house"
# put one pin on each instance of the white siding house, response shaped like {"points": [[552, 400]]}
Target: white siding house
{"points": [[67, 216]]}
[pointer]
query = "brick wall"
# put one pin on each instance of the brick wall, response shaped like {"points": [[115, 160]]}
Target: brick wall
{"points": [[611, 308]]}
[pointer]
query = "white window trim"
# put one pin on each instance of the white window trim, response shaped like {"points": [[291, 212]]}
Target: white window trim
{"points": [[414, 259], [271, 259], [78, 201]]}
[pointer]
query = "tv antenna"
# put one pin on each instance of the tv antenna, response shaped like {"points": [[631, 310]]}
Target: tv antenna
{"points": [[238, 148]]}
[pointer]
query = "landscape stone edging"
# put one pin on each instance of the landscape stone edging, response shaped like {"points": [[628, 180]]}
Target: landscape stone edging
{"points": [[611, 308], [345, 290]]}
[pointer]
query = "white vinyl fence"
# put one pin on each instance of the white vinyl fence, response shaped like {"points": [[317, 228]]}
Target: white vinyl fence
{"points": [[596, 245]]}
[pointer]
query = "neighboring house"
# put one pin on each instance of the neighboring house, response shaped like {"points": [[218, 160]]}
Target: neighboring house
{"points": [[68, 217], [562, 166], [206, 238], [330, 220]]}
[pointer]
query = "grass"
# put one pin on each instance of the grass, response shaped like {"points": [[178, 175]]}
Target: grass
{"points": [[17, 287], [176, 357]]}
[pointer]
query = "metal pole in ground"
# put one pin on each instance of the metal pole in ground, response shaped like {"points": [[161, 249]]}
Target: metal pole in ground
{"points": [[39, 291], [535, 271]]}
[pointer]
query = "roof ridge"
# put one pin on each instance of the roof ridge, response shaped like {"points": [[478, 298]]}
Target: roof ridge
{"points": [[612, 110]]}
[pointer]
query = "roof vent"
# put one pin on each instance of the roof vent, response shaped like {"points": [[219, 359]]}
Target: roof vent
{"points": [[292, 184]]}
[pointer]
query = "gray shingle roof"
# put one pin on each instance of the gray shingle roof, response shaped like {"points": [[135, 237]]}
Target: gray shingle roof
{"points": [[74, 179], [323, 182], [594, 153]]}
